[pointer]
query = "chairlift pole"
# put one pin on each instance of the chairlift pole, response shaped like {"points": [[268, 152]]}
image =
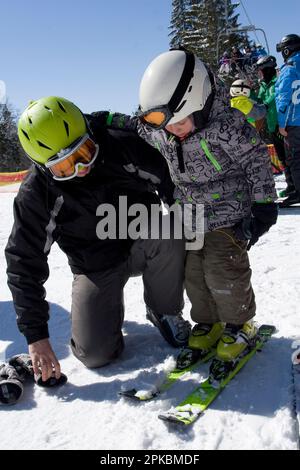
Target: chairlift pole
{"points": [[266, 41], [245, 29], [224, 30], [226, 13]]}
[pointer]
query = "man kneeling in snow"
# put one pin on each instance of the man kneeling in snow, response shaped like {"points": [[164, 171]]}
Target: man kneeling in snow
{"points": [[77, 168]]}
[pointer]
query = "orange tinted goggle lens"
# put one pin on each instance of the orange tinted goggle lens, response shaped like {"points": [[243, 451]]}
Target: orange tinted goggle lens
{"points": [[155, 117], [67, 167]]}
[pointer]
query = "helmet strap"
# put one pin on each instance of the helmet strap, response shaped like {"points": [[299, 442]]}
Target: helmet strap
{"points": [[88, 127], [186, 76], [201, 117]]}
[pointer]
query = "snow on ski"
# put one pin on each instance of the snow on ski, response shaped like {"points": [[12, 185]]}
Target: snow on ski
{"points": [[167, 382], [202, 396]]}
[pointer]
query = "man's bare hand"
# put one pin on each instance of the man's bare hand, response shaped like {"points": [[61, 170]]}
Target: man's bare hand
{"points": [[282, 131], [44, 360]]}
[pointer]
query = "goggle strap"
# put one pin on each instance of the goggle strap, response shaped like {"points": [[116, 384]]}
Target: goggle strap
{"points": [[53, 161], [241, 86], [184, 82], [76, 165]]}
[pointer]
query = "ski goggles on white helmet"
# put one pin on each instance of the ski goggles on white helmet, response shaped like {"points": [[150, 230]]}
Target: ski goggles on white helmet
{"points": [[159, 116], [65, 164]]}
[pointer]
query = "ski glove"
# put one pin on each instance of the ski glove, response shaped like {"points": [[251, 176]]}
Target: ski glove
{"points": [[23, 365], [264, 215], [11, 387]]}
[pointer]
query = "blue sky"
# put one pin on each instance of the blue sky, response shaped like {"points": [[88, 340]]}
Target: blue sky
{"points": [[95, 52]]}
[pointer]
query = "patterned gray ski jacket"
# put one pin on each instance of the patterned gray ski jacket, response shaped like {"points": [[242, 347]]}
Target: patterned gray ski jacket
{"points": [[224, 166]]}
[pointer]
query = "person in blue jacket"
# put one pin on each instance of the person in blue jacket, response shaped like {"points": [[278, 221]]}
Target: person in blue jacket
{"points": [[287, 96]]}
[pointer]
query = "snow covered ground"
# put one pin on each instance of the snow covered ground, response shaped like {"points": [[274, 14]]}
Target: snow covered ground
{"points": [[254, 412]]}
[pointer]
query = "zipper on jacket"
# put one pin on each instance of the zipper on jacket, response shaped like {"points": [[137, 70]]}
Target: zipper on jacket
{"points": [[209, 155], [180, 157], [179, 152]]}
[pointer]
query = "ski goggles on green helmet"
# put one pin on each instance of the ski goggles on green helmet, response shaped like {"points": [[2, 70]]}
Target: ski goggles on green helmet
{"points": [[159, 116], [66, 163]]}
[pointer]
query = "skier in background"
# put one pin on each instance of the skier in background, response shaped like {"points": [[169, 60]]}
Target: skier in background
{"points": [[267, 73], [240, 99], [78, 167], [224, 64], [287, 95], [236, 60]]}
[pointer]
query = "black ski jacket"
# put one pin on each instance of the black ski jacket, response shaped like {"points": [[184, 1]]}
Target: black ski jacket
{"points": [[46, 211]]}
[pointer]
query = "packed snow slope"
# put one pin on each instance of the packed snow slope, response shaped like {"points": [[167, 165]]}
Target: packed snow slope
{"points": [[254, 412]]}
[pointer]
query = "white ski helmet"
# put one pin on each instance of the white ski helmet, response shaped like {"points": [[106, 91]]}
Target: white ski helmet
{"points": [[240, 88], [175, 85]]}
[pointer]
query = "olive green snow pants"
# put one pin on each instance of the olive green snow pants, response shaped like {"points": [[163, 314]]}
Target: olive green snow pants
{"points": [[217, 280]]}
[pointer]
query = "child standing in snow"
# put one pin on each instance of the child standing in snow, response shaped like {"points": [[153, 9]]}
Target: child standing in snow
{"points": [[240, 99], [217, 159]]}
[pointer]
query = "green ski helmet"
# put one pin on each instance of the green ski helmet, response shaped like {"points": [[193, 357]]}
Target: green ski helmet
{"points": [[49, 125]]}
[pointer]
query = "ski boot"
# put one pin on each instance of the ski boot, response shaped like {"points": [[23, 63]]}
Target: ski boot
{"points": [[202, 339], [293, 198], [285, 192], [174, 328], [204, 336], [235, 340], [290, 188]]}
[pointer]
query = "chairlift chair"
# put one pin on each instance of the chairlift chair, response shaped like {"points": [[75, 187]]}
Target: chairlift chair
{"points": [[242, 29]]}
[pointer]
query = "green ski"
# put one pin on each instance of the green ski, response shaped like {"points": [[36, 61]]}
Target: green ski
{"points": [[201, 397], [191, 363]]}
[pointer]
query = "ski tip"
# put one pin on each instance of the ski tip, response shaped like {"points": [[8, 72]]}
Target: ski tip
{"points": [[142, 395], [168, 418], [267, 330], [129, 393]]}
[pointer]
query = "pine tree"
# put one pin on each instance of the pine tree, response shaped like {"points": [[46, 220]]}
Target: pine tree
{"points": [[12, 156], [179, 21], [197, 25]]}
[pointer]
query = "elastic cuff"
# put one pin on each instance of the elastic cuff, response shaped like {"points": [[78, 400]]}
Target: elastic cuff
{"points": [[267, 200], [109, 119], [33, 335]]}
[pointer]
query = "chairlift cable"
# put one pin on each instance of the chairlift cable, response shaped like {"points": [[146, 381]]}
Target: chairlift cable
{"points": [[248, 18]]}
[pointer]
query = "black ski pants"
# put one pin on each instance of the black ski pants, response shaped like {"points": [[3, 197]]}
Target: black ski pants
{"points": [[98, 304], [278, 141], [292, 149]]}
